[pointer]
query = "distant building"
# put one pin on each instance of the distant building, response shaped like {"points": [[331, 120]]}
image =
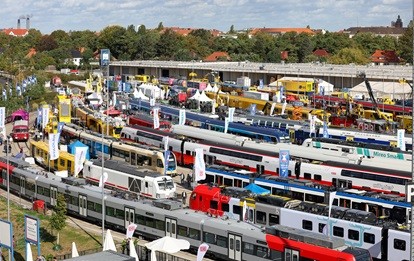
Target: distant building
{"points": [[76, 57], [280, 31], [385, 57], [396, 29], [217, 56], [321, 53], [187, 31], [18, 32]]}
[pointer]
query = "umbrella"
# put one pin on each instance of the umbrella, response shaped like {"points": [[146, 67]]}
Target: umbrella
{"points": [[29, 255], [109, 242], [132, 250], [74, 250], [167, 244]]}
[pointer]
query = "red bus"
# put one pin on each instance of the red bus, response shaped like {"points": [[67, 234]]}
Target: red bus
{"points": [[148, 121], [20, 131]]}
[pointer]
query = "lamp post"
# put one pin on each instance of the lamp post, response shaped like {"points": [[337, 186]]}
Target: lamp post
{"points": [[8, 178]]}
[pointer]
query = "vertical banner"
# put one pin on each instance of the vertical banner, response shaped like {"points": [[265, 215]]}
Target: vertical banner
{"points": [[261, 84], [130, 230], [202, 250], [272, 109], [39, 117], [80, 157], [166, 160], [59, 129], [284, 158], [331, 200], [45, 116], [152, 102], [213, 107], [226, 124], [181, 119], [244, 212], [166, 139], [401, 139], [156, 117], [252, 109], [231, 113], [53, 146], [199, 165], [283, 108], [105, 57], [3, 121], [325, 130], [312, 124]]}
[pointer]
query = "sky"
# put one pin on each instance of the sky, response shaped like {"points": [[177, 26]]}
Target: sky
{"points": [[73, 15]]}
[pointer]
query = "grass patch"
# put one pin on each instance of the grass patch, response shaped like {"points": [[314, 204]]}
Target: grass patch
{"points": [[83, 239]]}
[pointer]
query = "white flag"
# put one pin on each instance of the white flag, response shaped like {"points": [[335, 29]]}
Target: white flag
{"points": [[45, 116], [152, 102], [156, 118], [272, 109], [181, 120], [2, 116], [231, 113], [226, 124], [401, 139], [244, 213], [130, 230], [199, 165], [104, 177], [202, 250], [283, 108], [331, 199], [53, 146], [312, 124], [166, 143], [80, 157]]}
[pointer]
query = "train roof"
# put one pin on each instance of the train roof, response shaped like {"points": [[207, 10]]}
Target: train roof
{"points": [[357, 144], [125, 168]]}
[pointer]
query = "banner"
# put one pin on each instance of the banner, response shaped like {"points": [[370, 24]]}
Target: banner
{"points": [[80, 157], [312, 124], [39, 117], [2, 117], [325, 130], [244, 213], [181, 120], [284, 158], [401, 139], [104, 177], [261, 84], [53, 146], [166, 139], [45, 116], [283, 108], [253, 109], [152, 102], [130, 230], [202, 250], [199, 165], [231, 113], [166, 157], [331, 199], [59, 129], [156, 118], [226, 124], [272, 109]]}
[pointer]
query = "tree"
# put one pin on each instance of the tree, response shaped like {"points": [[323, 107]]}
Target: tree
{"points": [[231, 31], [47, 43], [349, 55], [160, 27], [405, 45], [58, 219]]}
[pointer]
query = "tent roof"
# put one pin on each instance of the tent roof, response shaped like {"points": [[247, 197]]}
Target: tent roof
{"points": [[203, 97], [383, 89], [256, 189], [138, 94]]}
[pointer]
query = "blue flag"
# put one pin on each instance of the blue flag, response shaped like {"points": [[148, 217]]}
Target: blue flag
{"points": [[166, 157], [59, 129], [325, 130], [284, 158]]}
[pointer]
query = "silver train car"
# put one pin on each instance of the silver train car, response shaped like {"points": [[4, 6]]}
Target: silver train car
{"points": [[142, 181]]}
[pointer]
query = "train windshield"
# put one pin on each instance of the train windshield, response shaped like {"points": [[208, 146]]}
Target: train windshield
{"points": [[165, 184], [172, 164]]}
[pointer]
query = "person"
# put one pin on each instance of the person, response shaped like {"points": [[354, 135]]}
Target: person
{"points": [[184, 197], [189, 180], [182, 178]]}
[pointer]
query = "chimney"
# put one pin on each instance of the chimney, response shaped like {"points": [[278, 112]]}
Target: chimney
{"points": [[27, 23], [18, 23]]}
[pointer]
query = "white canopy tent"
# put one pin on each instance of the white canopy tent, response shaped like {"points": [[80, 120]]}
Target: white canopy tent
{"points": [[167, 244], [393, 90], [151, 90], [203, 97], [139, 95]]}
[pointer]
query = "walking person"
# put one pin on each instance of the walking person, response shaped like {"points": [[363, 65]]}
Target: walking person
{"points": [[184, 197], [182, 177]]}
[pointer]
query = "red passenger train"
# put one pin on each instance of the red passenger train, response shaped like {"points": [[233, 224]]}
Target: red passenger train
{"points": [[148, 121]]}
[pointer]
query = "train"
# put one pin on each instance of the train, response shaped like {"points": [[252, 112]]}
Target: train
{"points": [[384, 240], [262, 161], [145, 156], [358, 148], [382, 205], [228, 239], [20, 131], [147, 121], [205, 122], [143, 182]]}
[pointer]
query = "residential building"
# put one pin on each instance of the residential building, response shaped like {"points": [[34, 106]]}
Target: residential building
{"points": [[385, 57]]}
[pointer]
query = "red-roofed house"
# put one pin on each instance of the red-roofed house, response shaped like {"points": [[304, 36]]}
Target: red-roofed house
{"points": [[16, 32], [385, 57], [280, 31], [217, 56], [321, 53]]}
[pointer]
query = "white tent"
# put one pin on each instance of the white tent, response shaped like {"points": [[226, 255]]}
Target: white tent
{"points": [[393, 90], [203, 97], [196, 96], [215, 88], [109, 243], [151, 90], [167, 244], [208, 88], [139, 95], [74, 250]]}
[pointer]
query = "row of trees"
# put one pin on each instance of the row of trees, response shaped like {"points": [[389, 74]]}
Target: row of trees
{"points": [[130, 44]]}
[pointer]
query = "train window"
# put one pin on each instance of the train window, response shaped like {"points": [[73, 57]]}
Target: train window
{"points": [[150, 222], [261, 217], [119, 213], [62, 162], [275, 255], [209, 238], [110, 211], [314, 198], [194, 234], [273, 219], [307, 225], [261, 251], [369, 238], [236, 210], [187, 152], [353, 234], [307, 176], [248, 248], [321, 226], [213, 204], [399, 244], [159, 163], [182, 231], [91, 206], [318, 177], [225, 207], [69, 165], [338, 231], [173, 231], [140, 219], [228, 182], [221, 241]]}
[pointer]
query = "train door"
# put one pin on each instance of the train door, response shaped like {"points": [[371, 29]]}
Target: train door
{"points": [[260, 169], [83, 206], [171, 227], [22, 185], [53, 195], [210, 159], [291, 255], [292, 135], [129, 216], [234, 247], [132, 158]]}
